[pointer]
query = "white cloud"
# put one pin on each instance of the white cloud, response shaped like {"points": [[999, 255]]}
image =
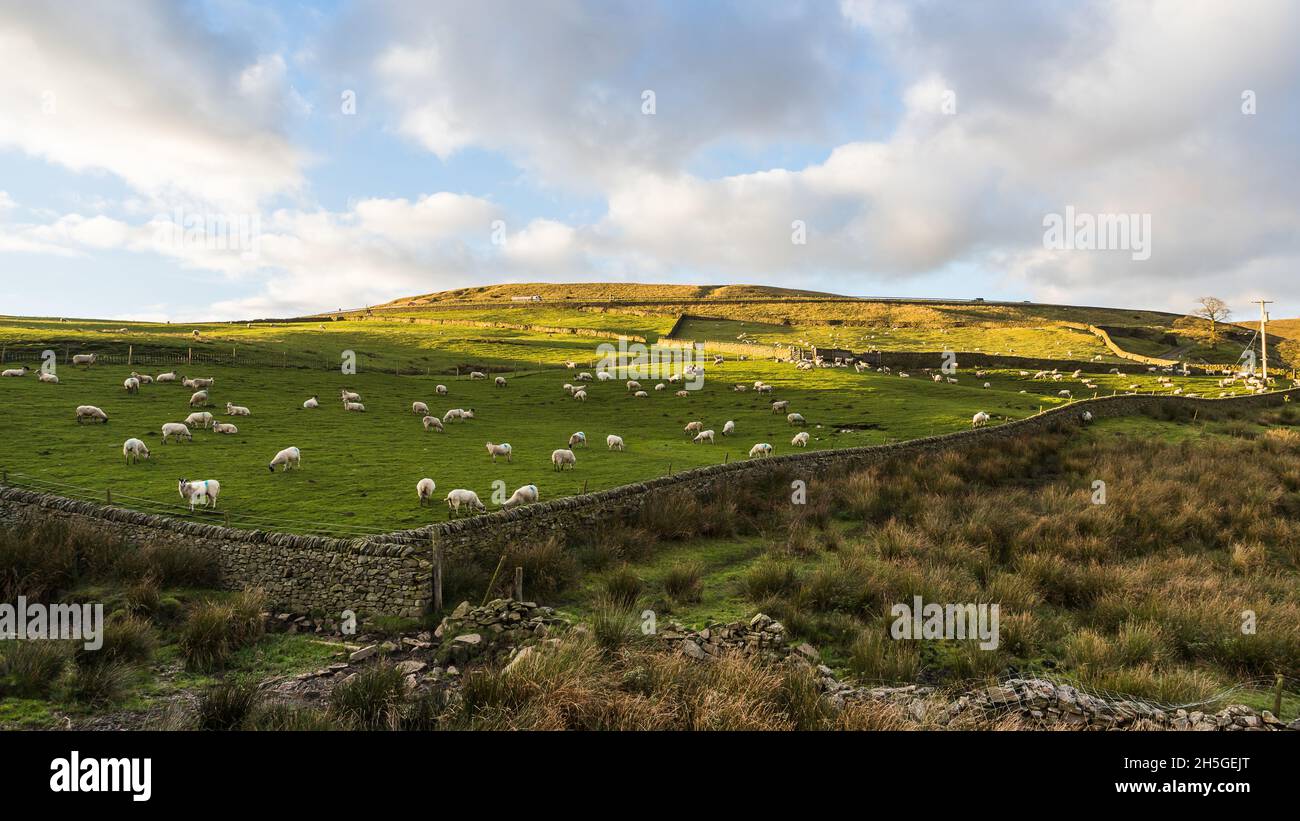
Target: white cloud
{"points": [[139, 91]]}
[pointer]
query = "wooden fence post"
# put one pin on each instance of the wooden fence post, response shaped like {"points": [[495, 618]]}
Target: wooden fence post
{"points": [[519, 584], [437, 575], [493, 583], [109, 493], [1277, 699]]}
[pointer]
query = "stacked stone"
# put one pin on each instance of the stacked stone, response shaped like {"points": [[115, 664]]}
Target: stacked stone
{"points": [[761, 637], [470, 632]]}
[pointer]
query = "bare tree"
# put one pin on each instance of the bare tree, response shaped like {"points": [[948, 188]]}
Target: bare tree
{"points": [[1214, 310]]}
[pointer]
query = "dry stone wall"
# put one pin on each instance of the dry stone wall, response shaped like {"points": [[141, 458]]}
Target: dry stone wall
{"points": [[391, 574]]}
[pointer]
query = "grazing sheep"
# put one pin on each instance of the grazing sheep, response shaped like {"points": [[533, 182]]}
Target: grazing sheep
{"points": [[569, 389], [500, 381], [441, 390], [703, 436], [795, 419], [432, 422], [290, 457], [614, 442], [632, 384], [419, 408], [134, 450], [693, 427], [738, 388], [199, 382], [781, 407], [578, 438], [19, 371], [988, 385], [1065, 394], [525, 495], [177, 430], [202, 418], [502, 449], [355, 407], [682, 394], [48, 377], [563, 458], [145, 379], [312, 403], [237, 410], [86, 359], [661, 386], [728, 428], [604, 376], [92, 413], [477, 375], [764, 389], [424, 490], [207, 490], [170, 376], [463, 498], [224, 427], [640, 395], [979, 420], [761, 449], [349, 396], [938, 377], [581, 396], [584, 377], [454, 413], [570, 365], [1086, 416], [199, 399], [800, 439]]}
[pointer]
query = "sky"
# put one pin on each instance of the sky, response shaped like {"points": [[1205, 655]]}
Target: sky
{"points": [[222, 159]]}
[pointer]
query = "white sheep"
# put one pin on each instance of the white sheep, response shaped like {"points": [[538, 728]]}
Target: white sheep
{"points": [[800, 439], [633, 385], [199, 382], [580, 396], [525, 495], [703, 436], [134, 450], [19, 371], [170, 376], [419, 408], [237, 410], [661, 386], [458, 413], [145, 379], [604, 376], [979, 420], [355, 407], [563, 458], [201, 418], [424, 490], [569, 389], [988, 385], [441, 390], [86, 359], [795, 419], [207, 490], [640, 395], [728, 428], [290, 457], [500, 381], [614, 442], [693, 427], [584, 377], [432, 422], [199, 399], [1086, 416], [502, 449], [463, 498], [477, 375], [224, 427], [177, 430], [682, 394], [312, 403], [349, 396], [91, 413], [781, 407], [761, 449], [1065, 394], [45, 376], [578, 438]]}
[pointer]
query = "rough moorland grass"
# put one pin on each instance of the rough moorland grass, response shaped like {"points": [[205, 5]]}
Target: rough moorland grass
{"points": [[215, 629]]}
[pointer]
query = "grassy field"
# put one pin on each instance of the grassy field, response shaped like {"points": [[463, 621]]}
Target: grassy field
{"points": [[359, 470]]}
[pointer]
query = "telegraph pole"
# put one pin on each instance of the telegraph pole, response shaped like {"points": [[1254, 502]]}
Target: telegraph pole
{"points": [[1263, 336]]}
